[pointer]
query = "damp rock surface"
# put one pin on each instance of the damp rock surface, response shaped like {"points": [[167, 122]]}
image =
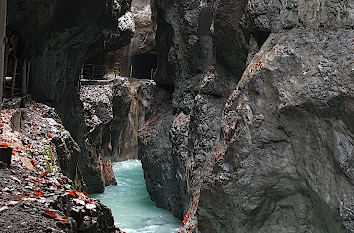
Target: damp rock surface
{"points": [[114, 113], [288, 137], [56, 37], [39, 191], [261, 101]]}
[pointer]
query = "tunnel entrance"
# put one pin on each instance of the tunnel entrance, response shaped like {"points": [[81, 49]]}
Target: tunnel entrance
{"points": [[143, 66]]}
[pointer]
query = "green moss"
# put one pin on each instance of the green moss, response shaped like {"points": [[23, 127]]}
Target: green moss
{"points": [[49, 153], [76, 182]]}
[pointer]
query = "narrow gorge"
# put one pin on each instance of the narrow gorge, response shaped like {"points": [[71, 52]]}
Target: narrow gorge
{"points": [[165, 116]]}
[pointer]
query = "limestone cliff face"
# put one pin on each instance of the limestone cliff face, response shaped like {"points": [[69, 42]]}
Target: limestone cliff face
{"points": [[287, 161], [130, 103], [56, 36], [113, 114], [96, 165], [260, 134], [143, 41]]}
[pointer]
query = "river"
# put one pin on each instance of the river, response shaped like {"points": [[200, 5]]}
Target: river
{"points": [[131, 206]]}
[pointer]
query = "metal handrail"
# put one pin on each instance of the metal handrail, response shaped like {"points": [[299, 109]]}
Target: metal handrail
{"points": [[91, 71]]}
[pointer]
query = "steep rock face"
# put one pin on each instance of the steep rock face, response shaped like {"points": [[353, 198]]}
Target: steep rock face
{"points": [[96, 165], [130, 103], [203, 49], [155, 151], [187, 62], [55, 36], [270, 172], [57, 54], [121, 104], [143, 41], [288, 161], [114, 111]]}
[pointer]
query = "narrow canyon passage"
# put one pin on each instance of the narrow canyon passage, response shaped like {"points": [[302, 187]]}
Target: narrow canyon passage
{"points": [[130, 203], [231, 116]]}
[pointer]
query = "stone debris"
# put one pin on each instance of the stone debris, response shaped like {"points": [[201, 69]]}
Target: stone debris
{"points": [[35, 196]]}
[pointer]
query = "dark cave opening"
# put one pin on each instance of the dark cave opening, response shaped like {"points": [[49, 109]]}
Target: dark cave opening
{"points": [[261, 37], [143, 66]]}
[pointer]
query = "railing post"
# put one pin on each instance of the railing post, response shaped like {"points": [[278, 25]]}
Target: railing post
{"points": [[14, 79], [81, 73], [118, 69], [3, 8], [28, 74], [24, 77]]}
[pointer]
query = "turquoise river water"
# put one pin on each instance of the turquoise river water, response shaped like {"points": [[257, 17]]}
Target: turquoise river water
{"points": [[131, 206]]}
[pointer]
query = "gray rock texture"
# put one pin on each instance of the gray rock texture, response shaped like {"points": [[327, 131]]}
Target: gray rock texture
{"points": [[56, 36], [155, 150], [250, 125], [262, 102], [130, 103], [288, 132], [96, 164], [38, 191], [114, 111], [143, 41]]}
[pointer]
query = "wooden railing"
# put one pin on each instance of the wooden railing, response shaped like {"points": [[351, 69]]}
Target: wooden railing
{"points": [[17, 78]]}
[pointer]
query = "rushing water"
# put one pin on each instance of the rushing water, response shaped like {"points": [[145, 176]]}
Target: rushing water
{"points": [[131, 206]]}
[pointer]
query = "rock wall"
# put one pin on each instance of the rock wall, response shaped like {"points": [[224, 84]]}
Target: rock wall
{"points": [[155, 151], [130, 104], [143, 41], [287, 163], [55, 36], [114, 111], [96, 165], [262, 97]]}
